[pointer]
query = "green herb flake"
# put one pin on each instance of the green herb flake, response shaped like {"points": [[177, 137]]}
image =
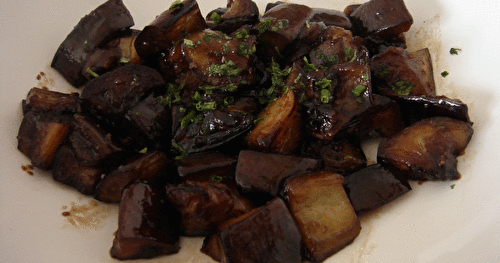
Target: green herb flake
{"points": [[454, 51], [297, 78], [215, 178], [350, 54], [308, 67], [328, 60], [308, 24], [402, 87], [227, 68], [216, 17], [211, 105], [324, 83], [452, 186], [189, 43], [358, 90], [258, 119], [241, 34], [264, 25], [444, 74], [282, 23], [245, 50], [145, 150], [176, 4], [124, 60], [442, 127], [92, 73], [325, 96]]}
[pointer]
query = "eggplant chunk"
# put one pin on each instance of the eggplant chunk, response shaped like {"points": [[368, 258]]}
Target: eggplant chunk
{"points": [[148, 225], [237, 14], [267, 234], [415, 108], [278, 28], [203, 167], [148, 168], [205, 205], [373, 187], [92, 144], [111, 95], [341, 156], [383, 18], [323, 213], [279, 127], [264, 172], [398, 72], [42, 100], [69, 170], [427, 150], [178, 21], [40, 135], [330, 18], [384, 118], [104, 23]]}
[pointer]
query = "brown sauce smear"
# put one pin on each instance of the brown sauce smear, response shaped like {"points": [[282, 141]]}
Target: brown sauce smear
{"points": [[28, 168], [90, 215]]}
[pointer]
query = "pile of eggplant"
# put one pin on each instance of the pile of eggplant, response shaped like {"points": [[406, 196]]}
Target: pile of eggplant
{"points": [[243, 127]]}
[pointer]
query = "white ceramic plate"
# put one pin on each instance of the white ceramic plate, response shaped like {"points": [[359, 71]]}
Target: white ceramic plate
{"points": [[432, 223]]}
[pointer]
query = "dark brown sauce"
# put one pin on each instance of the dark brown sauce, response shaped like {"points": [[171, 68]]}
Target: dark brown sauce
{"points": [[28, 168]]}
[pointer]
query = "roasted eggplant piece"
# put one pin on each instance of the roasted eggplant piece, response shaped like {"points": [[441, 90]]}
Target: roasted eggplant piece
{"points": [[103, 24], [117, 52], [69, 170], [330, 18], [181, 19], [148, 167], [374, 186], [204, 205], [341, 156], [206, 166], [428, 149], [92, 144], [111, 95], [237, 14], [252, 237], [42, 100], [278, 28], [40, 135], [415, 108], [397, 72], [278, 129], [382, 18], [323, 213], [148, 225], [263, 173], [384, 118]]}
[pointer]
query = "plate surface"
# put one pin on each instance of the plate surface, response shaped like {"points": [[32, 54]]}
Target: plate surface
{"points": [[433, 223]]}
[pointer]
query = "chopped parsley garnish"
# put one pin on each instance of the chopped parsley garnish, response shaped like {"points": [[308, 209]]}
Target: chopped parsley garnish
{"points": [[282, 23], [258, 119], [216, 17], [358, 90], [227, 68], [245, 50], [209, 105], [324, 83], [325, 96], [264, 25], [176, 4], [172, 95], [241, 34], [328, 60], [350, 54], [308, 67], [92, 73], [215, 178], [454, 51], [145, 150], [444, 74], [452, 186], [402, 87], [124, 60], [189, 43]]}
